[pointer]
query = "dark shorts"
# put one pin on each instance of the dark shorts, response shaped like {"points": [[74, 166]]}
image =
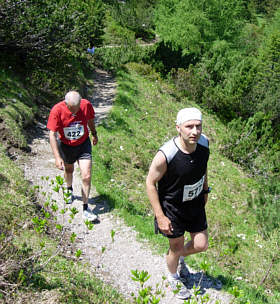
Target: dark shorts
{"points": [[191, 218], [70, 154]]}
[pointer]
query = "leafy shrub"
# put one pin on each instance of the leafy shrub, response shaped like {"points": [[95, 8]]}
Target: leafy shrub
{"points": [[115, 34], [250, 141], [45, 39], [194, 25], [40, 29], [136, 16], [266, 203], [265, 89], [144, 70], [112, 58]]}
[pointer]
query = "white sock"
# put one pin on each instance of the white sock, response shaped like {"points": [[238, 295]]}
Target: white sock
{"points": [[182, 259], [173, 275]]}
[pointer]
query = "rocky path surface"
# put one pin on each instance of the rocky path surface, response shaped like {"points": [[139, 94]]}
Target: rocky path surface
{"points": [[111, 259]]}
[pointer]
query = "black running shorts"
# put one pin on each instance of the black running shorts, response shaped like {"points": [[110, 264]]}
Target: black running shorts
{"points": [[191, 218], [70, 154]]}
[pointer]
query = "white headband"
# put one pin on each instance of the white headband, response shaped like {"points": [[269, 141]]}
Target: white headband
{"points": [[188, 114]]}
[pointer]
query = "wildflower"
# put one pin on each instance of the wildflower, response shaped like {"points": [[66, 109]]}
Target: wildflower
{"points": [[242, 236]]}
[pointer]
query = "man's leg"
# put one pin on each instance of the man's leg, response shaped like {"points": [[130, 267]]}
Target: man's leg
{"points": [[68, 174], [198, 243], [176, 248], [85, 167], [175, 283]]}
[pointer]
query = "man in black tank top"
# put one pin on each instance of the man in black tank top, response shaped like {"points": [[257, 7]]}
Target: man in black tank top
{"points": [[177, 188]]}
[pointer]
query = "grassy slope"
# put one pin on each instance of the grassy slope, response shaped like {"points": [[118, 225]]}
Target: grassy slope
{"points": [[62, 280], [142, 119], [17, 109]]}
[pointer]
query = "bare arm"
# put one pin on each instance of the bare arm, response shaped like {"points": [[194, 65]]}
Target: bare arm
{"points": [[91, 126], [205, 187], [157, 170], [53, 142]]}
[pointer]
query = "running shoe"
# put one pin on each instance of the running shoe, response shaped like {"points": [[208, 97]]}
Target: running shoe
{"points": [[183, 270], [89, 215], [178, 288]]}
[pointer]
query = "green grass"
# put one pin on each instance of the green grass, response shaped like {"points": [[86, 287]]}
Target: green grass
{"points": [[17, 109], [142, 119]]}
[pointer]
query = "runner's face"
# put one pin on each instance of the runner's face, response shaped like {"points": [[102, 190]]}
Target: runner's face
{"points": [[73, 109], [190, 131]]}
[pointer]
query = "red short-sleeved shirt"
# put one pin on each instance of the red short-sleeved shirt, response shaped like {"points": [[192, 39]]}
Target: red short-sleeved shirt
{"points": [[72, 129]]}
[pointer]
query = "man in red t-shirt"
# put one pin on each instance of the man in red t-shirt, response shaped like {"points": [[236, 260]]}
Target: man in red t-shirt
{"points": [[71, 119]]}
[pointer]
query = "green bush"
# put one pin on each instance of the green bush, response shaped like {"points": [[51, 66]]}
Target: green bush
{"points": [[251, 141], [136, 16], [111, 58], [115, 34], [266, 204], [46, 40], [41, 29], [194, 25]]}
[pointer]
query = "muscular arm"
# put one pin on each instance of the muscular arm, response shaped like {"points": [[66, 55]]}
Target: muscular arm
{"points": [[205, 186], [91, 126], [157, 170], [53, 142]]}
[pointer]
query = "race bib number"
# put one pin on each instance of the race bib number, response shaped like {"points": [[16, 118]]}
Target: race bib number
{"points": [[74, 132], [192, 191]]}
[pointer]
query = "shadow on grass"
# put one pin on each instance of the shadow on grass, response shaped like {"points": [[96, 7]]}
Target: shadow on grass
{"points": [[204, 281]]}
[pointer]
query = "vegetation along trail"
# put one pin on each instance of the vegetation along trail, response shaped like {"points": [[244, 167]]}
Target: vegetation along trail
{"points": [[111, 248]]}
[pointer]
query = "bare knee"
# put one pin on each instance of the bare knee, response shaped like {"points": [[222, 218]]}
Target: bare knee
{"points": [[86, 179], [176, 247], [200, 246], [69, 169], [199, 241]]}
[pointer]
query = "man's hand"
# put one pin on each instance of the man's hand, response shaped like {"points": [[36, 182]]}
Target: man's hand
{"points": [[59, 163], [164, 224], [94, 139]]}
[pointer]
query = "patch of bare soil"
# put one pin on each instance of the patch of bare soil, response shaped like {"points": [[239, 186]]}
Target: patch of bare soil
{"points": [[125, 253]]}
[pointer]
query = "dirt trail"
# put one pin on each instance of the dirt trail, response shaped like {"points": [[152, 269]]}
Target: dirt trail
{"points": [[114, 265]]}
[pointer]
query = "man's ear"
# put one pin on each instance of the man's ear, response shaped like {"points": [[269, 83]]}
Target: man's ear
{"points": [[178, 129]]}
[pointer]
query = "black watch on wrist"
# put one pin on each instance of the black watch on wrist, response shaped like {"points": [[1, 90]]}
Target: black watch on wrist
{"points": [[207, 190]]}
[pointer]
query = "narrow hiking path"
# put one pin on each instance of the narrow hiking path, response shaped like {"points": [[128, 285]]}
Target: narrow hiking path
{"points": [[125, 253]]}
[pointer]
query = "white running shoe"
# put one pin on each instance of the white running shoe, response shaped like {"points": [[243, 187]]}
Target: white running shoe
{"points": [[178, 288], [89, 215]]}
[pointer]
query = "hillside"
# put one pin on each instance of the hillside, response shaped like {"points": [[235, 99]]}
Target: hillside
{"points": [[220, 56]]}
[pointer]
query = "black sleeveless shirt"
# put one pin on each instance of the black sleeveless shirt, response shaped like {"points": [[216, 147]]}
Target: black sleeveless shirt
{"points": [[183, 181]]}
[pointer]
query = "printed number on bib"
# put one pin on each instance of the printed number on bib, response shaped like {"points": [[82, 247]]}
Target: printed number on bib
{"points": [[192, 191], [74, 132]]}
